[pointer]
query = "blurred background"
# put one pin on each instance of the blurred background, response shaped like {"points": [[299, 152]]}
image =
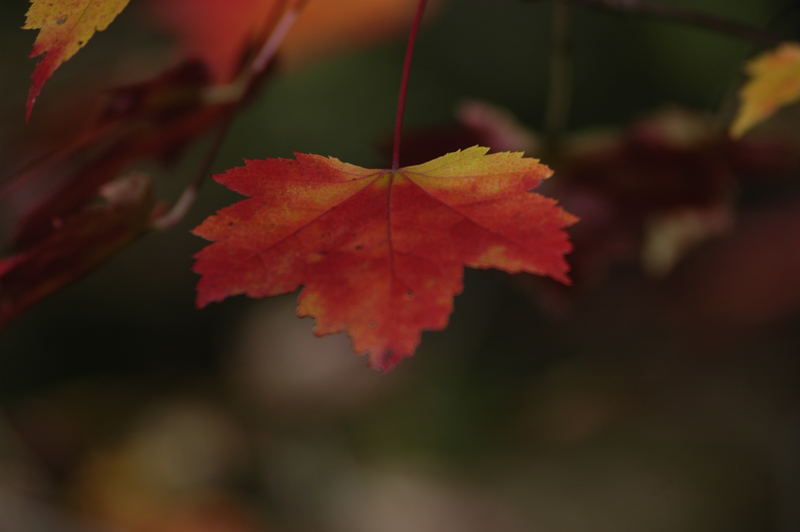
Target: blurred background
{"points": [[659, 393]]}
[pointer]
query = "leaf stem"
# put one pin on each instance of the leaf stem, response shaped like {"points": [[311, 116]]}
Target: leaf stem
{"points": [[558, 97], [257, 68], [187, 198], [401, 99]]}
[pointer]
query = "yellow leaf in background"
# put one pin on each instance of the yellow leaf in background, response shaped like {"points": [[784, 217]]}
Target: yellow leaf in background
{"points": [[65, 27], [774, 82]]}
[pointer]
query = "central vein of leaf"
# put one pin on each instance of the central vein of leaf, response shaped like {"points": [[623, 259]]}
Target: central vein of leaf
{"points": [[389, 242]]}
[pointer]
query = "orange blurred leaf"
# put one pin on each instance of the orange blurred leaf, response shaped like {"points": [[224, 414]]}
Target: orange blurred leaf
{"points": [[215, 31], [65, 27], [220, 35], [326, 27], [380, 253], [774, 82]]}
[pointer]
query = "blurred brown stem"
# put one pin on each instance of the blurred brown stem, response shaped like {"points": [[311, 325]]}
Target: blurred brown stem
{"points": [[187, 198], [558, 94], [252, 76], [686, 16]]}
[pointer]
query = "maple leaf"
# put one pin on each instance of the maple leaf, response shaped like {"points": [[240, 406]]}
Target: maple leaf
{"points": [[66, 26], [774, 82], [380, 253]]}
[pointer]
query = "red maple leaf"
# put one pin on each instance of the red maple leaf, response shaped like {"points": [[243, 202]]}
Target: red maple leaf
{"points": [[380, 253]]}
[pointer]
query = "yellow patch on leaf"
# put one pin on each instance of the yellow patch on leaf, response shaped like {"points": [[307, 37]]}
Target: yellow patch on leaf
{"points": [[774, 82], [65, 27]]}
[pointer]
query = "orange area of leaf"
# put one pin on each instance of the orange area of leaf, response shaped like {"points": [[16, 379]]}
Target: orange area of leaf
{"points": [[215, 31], [326, 27], [379, 253], [65, 27], [774, 82]]}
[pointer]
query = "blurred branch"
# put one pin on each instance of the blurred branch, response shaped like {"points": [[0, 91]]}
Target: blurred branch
{"points": [[277, 36], [558, 94], [686, 16], [189, 195], [257, 69]]}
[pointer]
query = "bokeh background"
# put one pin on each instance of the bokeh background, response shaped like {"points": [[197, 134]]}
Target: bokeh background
{"points": [[659, 393]]}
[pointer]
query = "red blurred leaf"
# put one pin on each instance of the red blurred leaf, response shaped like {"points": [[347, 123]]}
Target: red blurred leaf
{"points": [[78, 245], [652, 191], [214, 31], [747, 279], [150, 120], [380, 253]]}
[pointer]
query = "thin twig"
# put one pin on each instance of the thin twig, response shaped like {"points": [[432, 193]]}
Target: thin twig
{"points": [[558, 94], [187, 198], [277, 36], [258, 67], [687, 16]]}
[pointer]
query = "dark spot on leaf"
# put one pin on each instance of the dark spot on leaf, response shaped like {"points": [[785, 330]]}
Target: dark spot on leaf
{"points": [[372, 324], [61, 20], [387, 356]]}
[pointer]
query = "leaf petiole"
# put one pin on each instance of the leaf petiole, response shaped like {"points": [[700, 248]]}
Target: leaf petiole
{"points": [[401, 99]]}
